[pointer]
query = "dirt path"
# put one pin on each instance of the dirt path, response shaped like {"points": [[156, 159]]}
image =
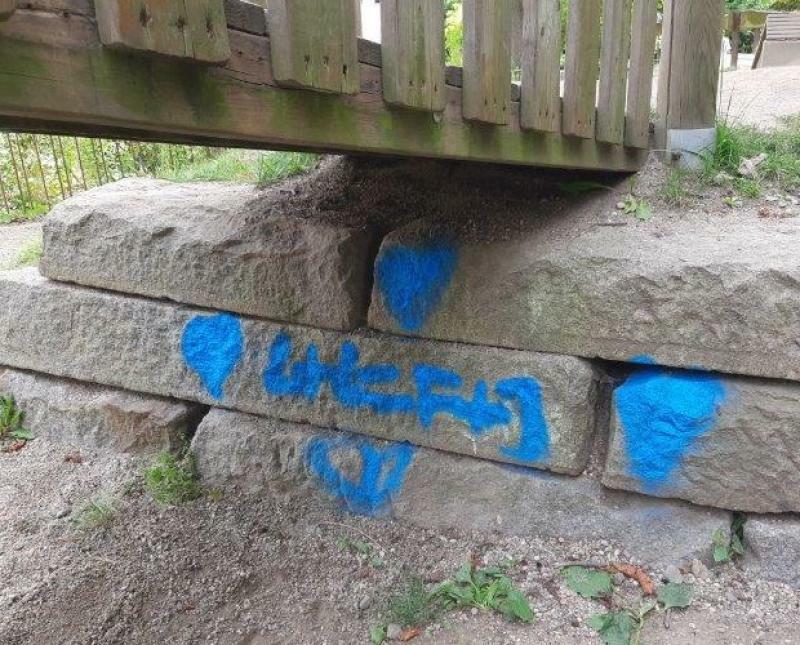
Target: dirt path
{"points": [[760, 97], [13, 237], [281, 568]]}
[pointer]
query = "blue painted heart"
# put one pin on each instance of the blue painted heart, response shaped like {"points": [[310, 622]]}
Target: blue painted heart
{"points": [[382, 471], [662, 412], [412, 281], [212, 347]]}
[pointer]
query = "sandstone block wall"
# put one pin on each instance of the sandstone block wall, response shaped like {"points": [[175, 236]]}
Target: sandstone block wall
{"points": [[476, 373]]}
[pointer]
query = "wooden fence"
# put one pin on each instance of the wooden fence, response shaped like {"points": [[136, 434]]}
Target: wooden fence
{"points": [[297, 76]]}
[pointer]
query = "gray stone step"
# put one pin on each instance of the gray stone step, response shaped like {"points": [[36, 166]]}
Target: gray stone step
{"points": [[729, 442], [521, 407], [207, 245], [435, 489], [94, 417], [772, 548], [715, 294]]}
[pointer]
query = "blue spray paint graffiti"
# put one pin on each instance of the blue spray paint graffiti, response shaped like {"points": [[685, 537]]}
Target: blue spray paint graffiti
{"points": [[212, 346], [413, 280], [381, 478], [662, 413], [351, 385]]}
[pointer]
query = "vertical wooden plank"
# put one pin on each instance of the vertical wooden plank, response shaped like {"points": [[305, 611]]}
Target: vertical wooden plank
{"points": [[640, 76], [194, 29], [614, 57], [7, 8], [541, 65], [486, 92], [583, 55], [413, 53], [314, 44], [689, 69]]}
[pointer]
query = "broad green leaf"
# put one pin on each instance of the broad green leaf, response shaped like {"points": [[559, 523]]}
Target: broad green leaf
{"points": [[22, 434], [643, 211], [464, 574], [675, 595], [516, 607], [736, 545], [588, 583], [614, 629]]}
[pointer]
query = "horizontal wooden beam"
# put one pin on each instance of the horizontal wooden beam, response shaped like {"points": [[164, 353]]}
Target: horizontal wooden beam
{"points": [[54, 76]]}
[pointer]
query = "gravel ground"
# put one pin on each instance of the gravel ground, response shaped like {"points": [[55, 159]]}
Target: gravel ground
{"points": [[271, 569], [760, 97], [13, 237]]}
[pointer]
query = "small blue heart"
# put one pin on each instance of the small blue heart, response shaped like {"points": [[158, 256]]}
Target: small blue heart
{"points": [[413, 280], [383, 471], [662, 413], [212, 347]]}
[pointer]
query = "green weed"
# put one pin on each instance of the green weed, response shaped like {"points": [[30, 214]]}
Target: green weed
{"points": [[11, 420], [413, 605], [675, 191], [172, 480], [27, 214], [727, 548], [243, 166], [96, 514], [275, 166], [29, 254]]}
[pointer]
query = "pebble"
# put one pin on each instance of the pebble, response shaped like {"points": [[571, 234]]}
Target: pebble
{"points": [[673, 575], [393, 631], [365, 602], [699, 570]]}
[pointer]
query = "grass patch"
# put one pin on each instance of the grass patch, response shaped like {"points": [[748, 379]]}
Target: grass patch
{"points": [[172, 479], [11, 420], [29, 254], [96, 514], [675, 191], [27, 214], [243, 166], [413, 605], [736, 143]]}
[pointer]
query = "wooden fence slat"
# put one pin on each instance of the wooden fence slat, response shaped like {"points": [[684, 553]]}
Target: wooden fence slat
{"points": [[615, 53], [7, 7], [412, 34], [193, 29], [580, 73], [541, 65], [640, 77], [487, 61], [314, 44]]}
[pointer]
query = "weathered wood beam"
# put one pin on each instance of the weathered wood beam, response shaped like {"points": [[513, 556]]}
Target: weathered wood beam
{"points": [[614, 71], [541, 65], [76, 86], [640, 76], [580, 68]]}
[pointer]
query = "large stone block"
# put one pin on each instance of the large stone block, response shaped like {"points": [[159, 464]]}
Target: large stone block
{"points": [[729, 442], [521, 407], [772, 548], [205, 244], [715, 295], [96, 417], [435, 489]]}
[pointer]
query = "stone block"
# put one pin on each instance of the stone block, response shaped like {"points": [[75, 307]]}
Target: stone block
{"points": [[96, 417], [715, 295], [435, 489], [772, 548], [207, 245], [521, 407], [728, 442]]}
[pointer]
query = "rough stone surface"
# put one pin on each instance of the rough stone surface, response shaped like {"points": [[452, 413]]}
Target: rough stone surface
{"points": [[706, 293], [96, 417], [772, 548], [728, 442], [439, 490], [521, 407], [204, 244]]}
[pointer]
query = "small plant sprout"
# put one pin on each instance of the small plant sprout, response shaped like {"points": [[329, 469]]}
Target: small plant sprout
{"points": [[172, 480], [726, 546], [11, 420], [96, 514]]}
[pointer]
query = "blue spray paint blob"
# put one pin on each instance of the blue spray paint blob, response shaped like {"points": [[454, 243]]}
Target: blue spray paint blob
{"points": [[534, 438], [662, 412], [212, 347], [413, 281], [383, 472]]}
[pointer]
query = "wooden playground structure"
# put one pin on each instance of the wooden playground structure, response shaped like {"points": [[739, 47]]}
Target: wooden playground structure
{"points": [[227, 72]]}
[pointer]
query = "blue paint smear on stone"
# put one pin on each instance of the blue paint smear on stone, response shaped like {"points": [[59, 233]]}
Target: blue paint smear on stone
{"points": [[534, 439], [413, 281], [212, 347], [382, 474], [662, 413]]}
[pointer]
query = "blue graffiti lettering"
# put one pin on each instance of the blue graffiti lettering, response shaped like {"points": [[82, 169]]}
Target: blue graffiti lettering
{"points": [[534, 439], [381, 478], [212, 347], [662, 412], [412, 281]]}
